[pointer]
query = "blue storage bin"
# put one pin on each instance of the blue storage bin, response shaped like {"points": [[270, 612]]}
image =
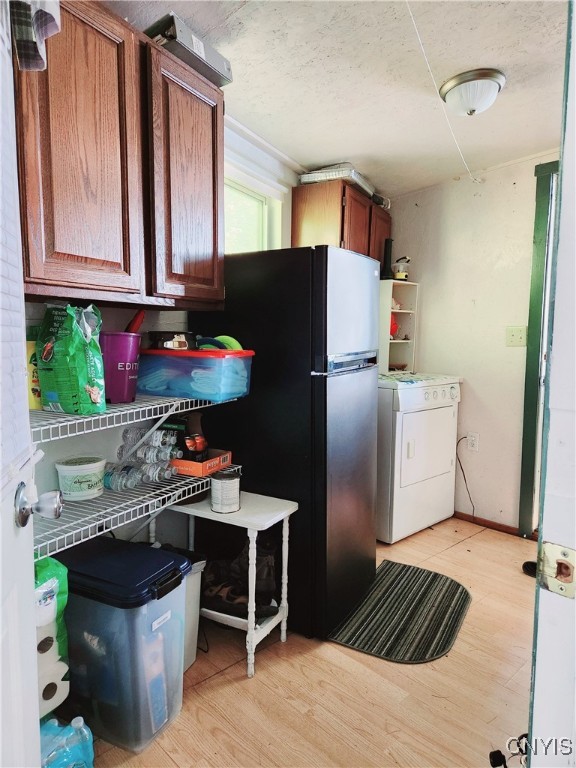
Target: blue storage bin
{"points": [[208, 374], [125, 618]]}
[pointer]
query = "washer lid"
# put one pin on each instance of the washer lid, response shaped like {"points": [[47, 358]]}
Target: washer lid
{"points": [[403, 380]]}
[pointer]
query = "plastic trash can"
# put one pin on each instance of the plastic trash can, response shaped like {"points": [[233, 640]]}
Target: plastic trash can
{"points": [[125, 619], [192, 589]]}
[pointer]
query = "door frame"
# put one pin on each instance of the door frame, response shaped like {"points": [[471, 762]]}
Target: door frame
{"points": [[552, 718], [536, 349], [19, 702]]}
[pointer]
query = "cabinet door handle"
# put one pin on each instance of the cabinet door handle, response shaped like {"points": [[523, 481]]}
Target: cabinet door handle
{"points": [[410, 449]]}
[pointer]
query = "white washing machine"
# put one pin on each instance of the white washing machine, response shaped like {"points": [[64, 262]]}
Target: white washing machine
{"points": [[417, 423]]}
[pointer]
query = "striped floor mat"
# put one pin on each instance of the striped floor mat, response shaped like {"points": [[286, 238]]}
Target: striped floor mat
{"points": [[409, 615]]}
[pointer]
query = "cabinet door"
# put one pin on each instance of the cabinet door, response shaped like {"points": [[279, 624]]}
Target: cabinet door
{"points": [[186, 146], [80, 157], [380, 230], [356, 224], [317, 214]]}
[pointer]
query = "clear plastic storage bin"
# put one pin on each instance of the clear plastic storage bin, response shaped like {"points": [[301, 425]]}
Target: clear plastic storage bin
{"points": [[207, 374], [125, 619]]}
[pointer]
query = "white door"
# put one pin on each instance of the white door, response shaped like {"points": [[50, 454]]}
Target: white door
{"points": [[553, 712], [20, 741]]}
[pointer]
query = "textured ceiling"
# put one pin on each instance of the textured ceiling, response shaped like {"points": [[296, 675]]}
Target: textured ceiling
{"points": [[332, 81]]}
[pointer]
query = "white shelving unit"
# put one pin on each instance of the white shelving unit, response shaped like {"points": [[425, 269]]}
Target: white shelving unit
{"points": [[82, 520], [55, 426], [399, 352]]}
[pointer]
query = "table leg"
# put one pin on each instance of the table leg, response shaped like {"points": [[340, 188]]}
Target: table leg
{"points": [[284, 592], [250, 647]]}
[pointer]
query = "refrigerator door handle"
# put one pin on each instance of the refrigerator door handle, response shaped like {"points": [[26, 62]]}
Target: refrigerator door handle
{"points": [[343, 371], [351, 361]]}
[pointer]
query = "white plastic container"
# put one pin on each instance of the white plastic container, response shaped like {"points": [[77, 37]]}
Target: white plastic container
{"points": [[193, 584], [81, 477]]}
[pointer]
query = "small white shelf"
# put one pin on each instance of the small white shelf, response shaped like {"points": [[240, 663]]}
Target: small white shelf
{"points": [[398, 352], [46, 425], [263, 626]]}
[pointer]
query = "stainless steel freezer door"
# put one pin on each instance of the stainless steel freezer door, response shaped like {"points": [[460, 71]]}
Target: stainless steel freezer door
{"points": [[351, 424], [353, 295]]}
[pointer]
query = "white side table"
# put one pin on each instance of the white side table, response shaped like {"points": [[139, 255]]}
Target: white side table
{"points": [[256, 513]]}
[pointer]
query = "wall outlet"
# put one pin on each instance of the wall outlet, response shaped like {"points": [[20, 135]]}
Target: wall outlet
{"points": [[516, 336], [473, 441]]}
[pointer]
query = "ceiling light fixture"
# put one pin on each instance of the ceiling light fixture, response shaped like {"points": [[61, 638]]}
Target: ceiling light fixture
{"points": [[472, 92]]}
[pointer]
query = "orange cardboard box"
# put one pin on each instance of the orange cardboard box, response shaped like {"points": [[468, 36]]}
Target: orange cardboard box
{"points": [[216, 460]]}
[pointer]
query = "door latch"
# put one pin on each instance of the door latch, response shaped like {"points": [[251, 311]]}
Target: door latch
{"points": [[556, 566]]}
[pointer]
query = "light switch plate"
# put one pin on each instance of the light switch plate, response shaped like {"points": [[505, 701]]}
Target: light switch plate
{"points": [[516, 336]]}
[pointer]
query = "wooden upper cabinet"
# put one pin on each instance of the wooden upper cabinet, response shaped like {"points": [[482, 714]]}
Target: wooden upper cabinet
{"points": [[380, 231], [317, 214], [80, 158], [336, 213], [187, 179], [356, 227]]}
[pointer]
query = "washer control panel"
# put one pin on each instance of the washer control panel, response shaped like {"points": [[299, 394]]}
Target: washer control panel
{"points": [[421, 398]]}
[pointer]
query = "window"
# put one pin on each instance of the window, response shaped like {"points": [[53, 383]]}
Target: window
{"points": [[258, 181], [245, 219]]}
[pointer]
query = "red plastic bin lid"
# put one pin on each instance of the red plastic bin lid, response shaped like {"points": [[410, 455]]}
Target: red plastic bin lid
{"points": [[199, 352]]}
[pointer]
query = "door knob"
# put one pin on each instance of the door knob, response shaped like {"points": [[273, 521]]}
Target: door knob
{"points": [[48, 505]]}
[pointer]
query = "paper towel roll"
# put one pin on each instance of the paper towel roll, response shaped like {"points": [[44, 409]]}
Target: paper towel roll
{"points": [[48, 648], [52, 689], [48, 659], [46, 637]]}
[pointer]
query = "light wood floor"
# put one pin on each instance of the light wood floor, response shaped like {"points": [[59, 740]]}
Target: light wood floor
{"points": [[317, 704]]}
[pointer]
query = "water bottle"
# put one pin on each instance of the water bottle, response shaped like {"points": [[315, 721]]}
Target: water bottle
{"points": [[83, 748], [146, 471], [158, 438], [168, 470], [148, 453], [165, 470], [124, 449], [63, 746], [118, 477], [133, 434], [113, 479], [133, 475]]}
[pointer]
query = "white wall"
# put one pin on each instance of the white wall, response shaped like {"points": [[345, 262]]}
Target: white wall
{"points": [[471, 251]]}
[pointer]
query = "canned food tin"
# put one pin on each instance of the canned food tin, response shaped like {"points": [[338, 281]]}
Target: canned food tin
{"points": [[224, 492]]}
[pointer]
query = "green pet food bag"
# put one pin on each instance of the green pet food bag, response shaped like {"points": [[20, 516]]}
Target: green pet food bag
{"points": [[70, 365]]}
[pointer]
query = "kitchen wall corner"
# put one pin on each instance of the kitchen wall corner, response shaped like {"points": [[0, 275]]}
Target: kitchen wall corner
{"points": [[470, 247]]}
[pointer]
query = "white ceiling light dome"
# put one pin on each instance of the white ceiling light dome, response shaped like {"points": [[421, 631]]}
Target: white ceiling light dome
{"points": [[472, 92]]}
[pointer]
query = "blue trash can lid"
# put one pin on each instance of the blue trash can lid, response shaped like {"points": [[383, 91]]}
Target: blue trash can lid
{"points": [[121, 573]]}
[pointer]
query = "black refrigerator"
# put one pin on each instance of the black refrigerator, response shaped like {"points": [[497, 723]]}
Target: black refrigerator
{"points": [[307, 429]]}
